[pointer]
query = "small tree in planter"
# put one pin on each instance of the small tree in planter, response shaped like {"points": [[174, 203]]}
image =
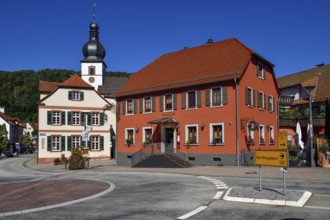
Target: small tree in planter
{"points": [[324, 159], [76, 159]]}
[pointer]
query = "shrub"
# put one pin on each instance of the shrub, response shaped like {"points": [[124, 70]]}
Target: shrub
{"points": [[76, 159]]}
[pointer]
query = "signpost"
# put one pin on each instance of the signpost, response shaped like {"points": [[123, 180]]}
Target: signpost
{"points": [[277, 158], [283, 140]]}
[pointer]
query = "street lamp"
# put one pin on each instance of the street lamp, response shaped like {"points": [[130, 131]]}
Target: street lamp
{"points": [[310, 136]]}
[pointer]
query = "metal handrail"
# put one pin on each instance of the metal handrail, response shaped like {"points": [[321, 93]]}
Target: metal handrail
{"points": [[141, 154]]}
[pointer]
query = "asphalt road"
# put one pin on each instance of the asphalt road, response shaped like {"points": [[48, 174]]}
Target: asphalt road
{"points": [[165, 196]]}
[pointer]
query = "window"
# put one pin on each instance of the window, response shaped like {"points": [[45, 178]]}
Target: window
{"points": [[289, 139], [95, 118], [261, 100], [56, 118], [249, 97], [129, 107], [56, 143], [250, 133], [75, 141], [147, 135], [191, 134], [75, 95], [262, 134], [261, 71], [147, 105], [91, 70], [217, 133], [271, 104], [271, 135], [192, 99], [216, 97], [75, 118], [95, 142], [168, 103], [129, 136]]}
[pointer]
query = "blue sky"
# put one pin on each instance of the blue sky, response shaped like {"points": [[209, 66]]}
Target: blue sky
{"points": [[37, 34]]}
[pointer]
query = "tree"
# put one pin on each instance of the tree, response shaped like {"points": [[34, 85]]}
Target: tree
{"points": [[3, 138]]}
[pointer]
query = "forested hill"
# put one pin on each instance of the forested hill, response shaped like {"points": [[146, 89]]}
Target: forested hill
{"points": [[19, 90]]}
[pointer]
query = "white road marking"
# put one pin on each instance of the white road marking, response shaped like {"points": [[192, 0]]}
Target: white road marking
{"points": [[194, 212], [218, 195], [316, 207]]}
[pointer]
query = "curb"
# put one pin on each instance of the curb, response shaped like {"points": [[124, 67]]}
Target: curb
{"points": [[300, 203]]}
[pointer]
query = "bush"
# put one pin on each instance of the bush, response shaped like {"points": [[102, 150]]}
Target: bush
{"points": [[76, 159]]}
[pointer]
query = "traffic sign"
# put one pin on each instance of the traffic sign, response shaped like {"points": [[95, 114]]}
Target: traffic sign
{"points": [[283, 140], [276, 158], [85, 135]]}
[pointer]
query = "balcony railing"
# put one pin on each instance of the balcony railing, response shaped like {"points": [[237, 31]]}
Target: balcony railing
{"points": [[288, 122]]}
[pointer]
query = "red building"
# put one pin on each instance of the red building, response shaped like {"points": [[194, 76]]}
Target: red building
{"points": [[211, 105]]}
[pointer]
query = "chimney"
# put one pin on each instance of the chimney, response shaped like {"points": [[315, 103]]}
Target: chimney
{"points": [[185, 48], [209, 41], [319, 65]]}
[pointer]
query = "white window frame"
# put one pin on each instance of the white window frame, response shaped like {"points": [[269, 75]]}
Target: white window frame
{"points": [[130, 100], [76, 96], [263, 71], [251, 100], [76, 119], [56, 118], [164, 103], [144, 105], [272, 108], [221, 97], [263, 104], [144, 133], [262, 133], [56, 143], [271, 134], [95, 142], [187, 133], [250, 133], [222, 133], [187, 99], [74, 142], [126, 134], [95, 117]]}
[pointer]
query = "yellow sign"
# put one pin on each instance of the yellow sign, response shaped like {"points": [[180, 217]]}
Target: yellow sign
{"points": [[276, 158], [85, 152], [283, 140]]}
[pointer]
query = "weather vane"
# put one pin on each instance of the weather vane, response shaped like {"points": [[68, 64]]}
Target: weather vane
{"points": [[94, 9]]}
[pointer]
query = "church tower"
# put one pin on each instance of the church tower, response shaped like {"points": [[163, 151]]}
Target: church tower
{"points": [[93, 66]]}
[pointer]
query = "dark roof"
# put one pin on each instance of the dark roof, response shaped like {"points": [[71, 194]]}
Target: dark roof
{"points": [[218, 61], [111, 86], [318, 78]]}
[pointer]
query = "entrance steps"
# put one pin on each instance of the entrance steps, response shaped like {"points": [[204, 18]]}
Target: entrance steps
{"points": [[163, 161]]}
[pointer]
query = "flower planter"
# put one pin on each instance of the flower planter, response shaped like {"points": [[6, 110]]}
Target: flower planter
{"points": [[325, 163]]}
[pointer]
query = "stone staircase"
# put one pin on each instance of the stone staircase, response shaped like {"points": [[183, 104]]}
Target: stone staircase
{"points": [[163, 161]]}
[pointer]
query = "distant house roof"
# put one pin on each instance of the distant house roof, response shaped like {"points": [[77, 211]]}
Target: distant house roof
{"points": [[211, 62], [318, 78], [111, 85], [47, 87], [9, 118]]}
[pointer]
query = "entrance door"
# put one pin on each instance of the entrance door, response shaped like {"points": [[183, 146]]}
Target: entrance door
{"points": [[169, 140]]}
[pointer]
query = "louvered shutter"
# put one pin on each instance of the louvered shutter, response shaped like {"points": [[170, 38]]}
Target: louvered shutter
{"points": [[153, 104], [199, 98], [254, 98], [69, 143], [183, 100], [63, 118], [174, 101], [82, 96], [123, 103], [101, 118], [89, 118], [246, 96], [70, 95], [69, 118], [101, 143], [63, 143], [141, 105], [49, 117], [224, 96], [49, 143], [134, 106], [207, 97], [161, 103]]}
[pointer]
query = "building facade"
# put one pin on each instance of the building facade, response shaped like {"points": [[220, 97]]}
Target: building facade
{"points": [[214, 104]]}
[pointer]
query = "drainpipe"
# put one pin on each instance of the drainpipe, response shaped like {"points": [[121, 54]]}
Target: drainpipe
{"points": [[237, 124], [116, 123]]}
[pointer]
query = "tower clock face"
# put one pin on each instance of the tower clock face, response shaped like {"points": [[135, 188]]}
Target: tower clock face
{"points": [[91, 79]]}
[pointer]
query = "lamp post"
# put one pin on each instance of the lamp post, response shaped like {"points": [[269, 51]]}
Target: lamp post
{"points": [[310, 136]]}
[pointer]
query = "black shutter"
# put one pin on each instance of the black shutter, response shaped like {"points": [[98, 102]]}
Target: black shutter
{"points": [[82, 96], [89, 118], [63, 118], [101, 118], [70, 95], [69, 118], [49, 143], [101, 143], [49, 117], [63, 143], [69, 143]]}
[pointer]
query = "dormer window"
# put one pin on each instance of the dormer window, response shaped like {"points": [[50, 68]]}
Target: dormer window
{"points": [[91, 70], [261, 71]]}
